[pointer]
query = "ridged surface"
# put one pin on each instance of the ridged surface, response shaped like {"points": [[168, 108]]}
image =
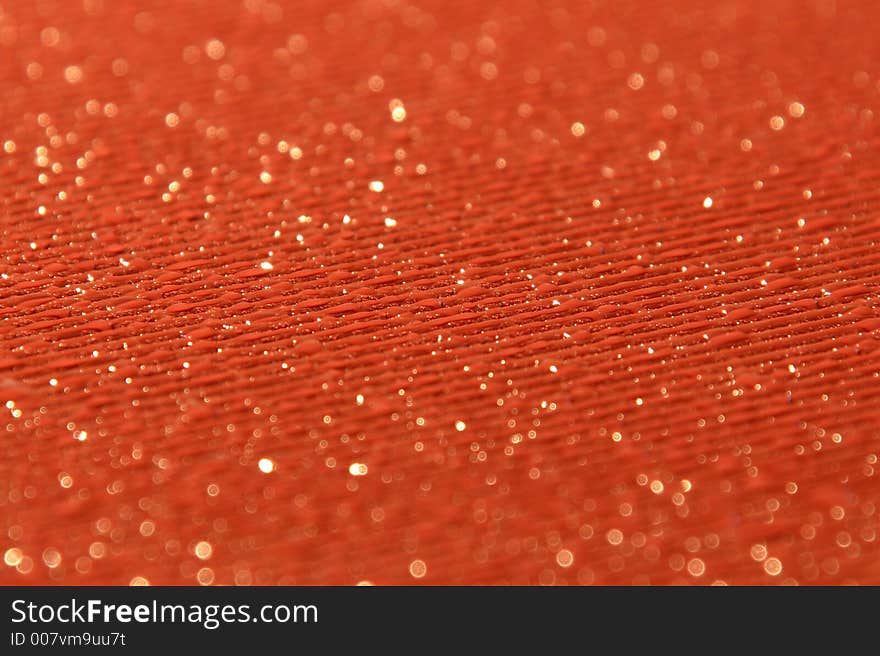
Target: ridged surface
{"points": [[612, 318]]}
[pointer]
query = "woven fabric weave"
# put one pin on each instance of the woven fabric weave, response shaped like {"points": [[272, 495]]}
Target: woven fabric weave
{"points": [[439, 292]]}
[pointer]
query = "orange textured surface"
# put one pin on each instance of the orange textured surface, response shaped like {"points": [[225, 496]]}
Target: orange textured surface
{"points": [[442, 292]]}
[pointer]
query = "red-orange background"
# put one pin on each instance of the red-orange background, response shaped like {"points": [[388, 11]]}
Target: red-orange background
{"points": [[630, 246]]}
